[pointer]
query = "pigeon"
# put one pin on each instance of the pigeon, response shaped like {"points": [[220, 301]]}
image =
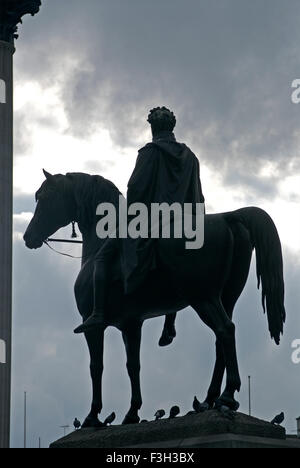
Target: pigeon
{"points": [[197, 405], [174, 411], [159, 414], [77, 424], [278, 419], [110, 419]]}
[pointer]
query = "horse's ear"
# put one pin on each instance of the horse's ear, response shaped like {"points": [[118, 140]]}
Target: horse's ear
{"points": [[48, 175]]}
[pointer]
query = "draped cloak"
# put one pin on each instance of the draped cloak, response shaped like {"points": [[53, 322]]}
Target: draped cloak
{"points": [[166, 172]]}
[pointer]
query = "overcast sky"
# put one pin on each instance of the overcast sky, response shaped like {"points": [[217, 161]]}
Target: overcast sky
{"points": [[86, 75]]}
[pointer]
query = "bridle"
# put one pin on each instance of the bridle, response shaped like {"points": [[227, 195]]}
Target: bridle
{"points": [[72, 241]]}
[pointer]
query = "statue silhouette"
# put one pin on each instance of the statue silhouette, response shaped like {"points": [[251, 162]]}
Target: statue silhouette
{"points": [[210, 280]]}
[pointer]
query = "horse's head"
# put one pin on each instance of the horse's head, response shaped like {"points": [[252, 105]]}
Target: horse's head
{"points": [[55, 208]]}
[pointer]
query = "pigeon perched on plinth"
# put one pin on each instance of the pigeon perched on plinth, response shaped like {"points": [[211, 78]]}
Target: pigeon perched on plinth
{"points": [[110, 419], [200, 407], [197, 405], [174, 411], [77, 424], [278, 419], [159, 414]]}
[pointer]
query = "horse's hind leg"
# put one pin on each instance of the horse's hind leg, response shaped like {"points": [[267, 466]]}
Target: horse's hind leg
{"points": [[241, 259], [233, 288], [169, 331], [215, 387], [214, 390], [132, 339], [214, 315]]}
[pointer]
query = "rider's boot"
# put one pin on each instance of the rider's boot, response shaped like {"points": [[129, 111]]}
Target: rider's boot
{"points": [[100, 281], [94, 320]]}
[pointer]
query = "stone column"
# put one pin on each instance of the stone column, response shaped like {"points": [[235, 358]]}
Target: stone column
{"points": [[11, 12], [6, 161]]}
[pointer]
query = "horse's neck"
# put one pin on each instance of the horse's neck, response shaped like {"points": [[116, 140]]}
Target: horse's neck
{"points": [[89, 193], [91, 243]]}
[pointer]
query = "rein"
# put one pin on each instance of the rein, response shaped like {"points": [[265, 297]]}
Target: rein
{"points": [[74, 236], [46, 242], [62, 253]]}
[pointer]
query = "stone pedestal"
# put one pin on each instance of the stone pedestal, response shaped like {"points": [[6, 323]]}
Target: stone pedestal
{"points": [[6, 171], [206, 430]]}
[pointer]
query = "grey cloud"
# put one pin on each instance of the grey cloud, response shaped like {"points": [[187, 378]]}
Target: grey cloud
{"points": [[24, 203], [98, 167], [24, 122], [22, 135], [225, 68], [257, 187]]}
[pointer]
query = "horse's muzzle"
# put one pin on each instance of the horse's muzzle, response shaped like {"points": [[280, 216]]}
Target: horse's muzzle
{"points": [[31, 242]]}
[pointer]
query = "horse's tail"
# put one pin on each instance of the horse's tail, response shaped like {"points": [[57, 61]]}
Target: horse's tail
{"points": [[269, 266]]}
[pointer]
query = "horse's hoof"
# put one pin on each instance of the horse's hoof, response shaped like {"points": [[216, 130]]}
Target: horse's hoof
{"points": [[172, 331], [165, 340], [203, 407], [229, 402], [167, 336], [131, 419], [92, 422]]}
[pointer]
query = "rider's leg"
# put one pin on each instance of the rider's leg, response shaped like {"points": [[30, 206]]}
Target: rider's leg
{"points": [[101, 277], [169, 331]]}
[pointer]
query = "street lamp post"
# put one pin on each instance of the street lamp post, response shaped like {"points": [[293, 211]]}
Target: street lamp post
{"points": [[249, 393], [25, 420], [11, 13]]}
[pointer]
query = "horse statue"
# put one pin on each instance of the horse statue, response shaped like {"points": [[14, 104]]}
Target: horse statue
{"points": [[210, 280]]}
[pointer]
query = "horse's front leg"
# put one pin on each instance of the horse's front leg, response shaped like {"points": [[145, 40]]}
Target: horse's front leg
{"points": [[132, 339], [95, 341]]}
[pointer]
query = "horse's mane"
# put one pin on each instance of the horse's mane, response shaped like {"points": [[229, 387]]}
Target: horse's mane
{"points": [[89, 191]]}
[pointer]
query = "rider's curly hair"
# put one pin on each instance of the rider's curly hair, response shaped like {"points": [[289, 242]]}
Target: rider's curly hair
{"points": [[161, 119]]}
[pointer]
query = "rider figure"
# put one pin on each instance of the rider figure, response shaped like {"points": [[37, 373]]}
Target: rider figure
{"points": [[166, 172]]}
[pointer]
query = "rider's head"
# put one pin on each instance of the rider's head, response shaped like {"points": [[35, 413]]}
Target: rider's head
{"points": [[161, 119]]}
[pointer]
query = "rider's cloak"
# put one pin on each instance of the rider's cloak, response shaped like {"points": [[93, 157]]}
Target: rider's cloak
{"points": [[166, 172]]}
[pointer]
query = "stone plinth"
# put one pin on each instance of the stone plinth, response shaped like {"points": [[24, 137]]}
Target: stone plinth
{"points": [[210, 429]]}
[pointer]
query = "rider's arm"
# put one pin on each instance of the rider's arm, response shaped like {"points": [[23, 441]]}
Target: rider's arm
{"points": [[199, 188], [142, 183]]}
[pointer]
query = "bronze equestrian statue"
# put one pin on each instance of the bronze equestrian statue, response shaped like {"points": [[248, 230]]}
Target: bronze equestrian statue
{"points": [[209, 279]]}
